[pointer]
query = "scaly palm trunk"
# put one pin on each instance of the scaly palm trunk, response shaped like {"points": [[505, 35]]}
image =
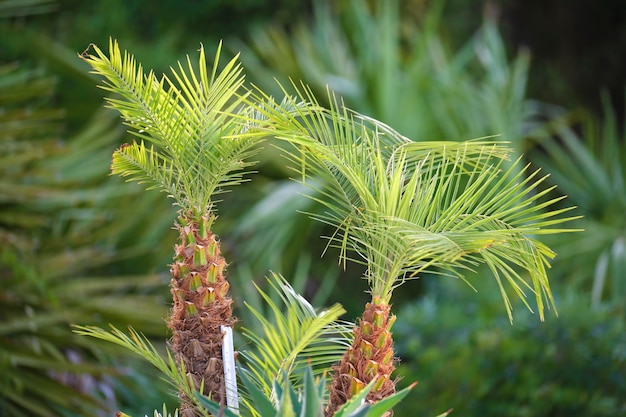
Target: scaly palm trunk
{"points": [[370, 356], [201, 306]]}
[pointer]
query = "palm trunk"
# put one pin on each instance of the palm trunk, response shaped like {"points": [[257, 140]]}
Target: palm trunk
{"points": [[201, 306], [370, 356]]}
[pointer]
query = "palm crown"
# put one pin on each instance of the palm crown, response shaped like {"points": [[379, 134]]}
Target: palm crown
{"points": [[195, 145], [403, 207]]}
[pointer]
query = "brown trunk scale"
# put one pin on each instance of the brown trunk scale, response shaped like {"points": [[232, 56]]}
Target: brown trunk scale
{"points": [[371, 355], [201, 306]]}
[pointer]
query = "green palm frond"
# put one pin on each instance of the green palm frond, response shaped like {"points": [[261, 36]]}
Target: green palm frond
{"points": [[404, 207], [198, 147], [297, 337], [140, 345], [144, 164], [134, 342]]}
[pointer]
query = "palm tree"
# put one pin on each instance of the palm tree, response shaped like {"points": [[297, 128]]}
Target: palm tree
{"points": [[402, 207], [190, 147]]}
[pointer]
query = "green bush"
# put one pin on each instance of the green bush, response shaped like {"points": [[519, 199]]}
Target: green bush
{"points": [[463, 358]]}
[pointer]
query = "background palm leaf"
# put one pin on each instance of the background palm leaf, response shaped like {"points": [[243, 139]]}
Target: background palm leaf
{"points": [[58, 249], [393, 61]]}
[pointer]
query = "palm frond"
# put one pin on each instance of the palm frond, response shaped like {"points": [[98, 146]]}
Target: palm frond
{"points": [[143, 164], [135, 342], [297, 337], [140, 345], [145, 104], [188, 119]]}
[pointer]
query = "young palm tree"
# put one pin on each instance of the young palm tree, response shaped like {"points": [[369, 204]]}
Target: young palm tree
{"points": [[190, 147], [405, 207]]}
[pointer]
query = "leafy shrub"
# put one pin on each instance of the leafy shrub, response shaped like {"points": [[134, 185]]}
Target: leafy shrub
{"points": [[59, 242], [463, 358]]}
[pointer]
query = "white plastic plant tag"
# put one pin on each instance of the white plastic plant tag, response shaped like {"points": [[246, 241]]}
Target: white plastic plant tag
{"points": [[228, 358]]}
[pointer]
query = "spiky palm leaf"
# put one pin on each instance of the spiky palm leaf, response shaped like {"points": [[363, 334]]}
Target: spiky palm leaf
{"points": [[297, 337], [393, 62], [277, 360], [404, 207], [196, 149], [199, 150]]}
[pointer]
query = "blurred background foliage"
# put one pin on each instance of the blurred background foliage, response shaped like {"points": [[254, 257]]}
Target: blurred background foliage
{"points": [[573, 365], [77, 246]]}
